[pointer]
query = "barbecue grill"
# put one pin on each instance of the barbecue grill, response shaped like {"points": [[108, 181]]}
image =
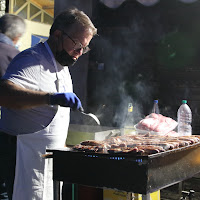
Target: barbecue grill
{"points": [[126, 172]]}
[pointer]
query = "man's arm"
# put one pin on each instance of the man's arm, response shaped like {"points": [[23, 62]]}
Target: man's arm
{"points": [[16, 97]]}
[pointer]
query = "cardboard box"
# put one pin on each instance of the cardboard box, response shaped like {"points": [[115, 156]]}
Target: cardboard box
{"points": [[109, 194], [137, 196], [116, 195]]}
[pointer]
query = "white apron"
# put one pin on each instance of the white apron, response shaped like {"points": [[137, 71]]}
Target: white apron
{"points": [[33, 174]]}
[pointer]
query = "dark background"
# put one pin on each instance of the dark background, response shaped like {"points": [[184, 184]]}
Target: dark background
{"points": [[147, 53]]}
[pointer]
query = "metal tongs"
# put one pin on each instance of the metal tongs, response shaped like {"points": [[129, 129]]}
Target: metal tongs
{"points": [[90, 114]]}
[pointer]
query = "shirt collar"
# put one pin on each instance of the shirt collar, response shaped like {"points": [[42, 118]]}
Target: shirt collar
{"points": [[5, 39]]}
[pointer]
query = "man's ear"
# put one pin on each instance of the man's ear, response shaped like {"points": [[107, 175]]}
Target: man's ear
{"points": [[56, 38], [57, 34]]}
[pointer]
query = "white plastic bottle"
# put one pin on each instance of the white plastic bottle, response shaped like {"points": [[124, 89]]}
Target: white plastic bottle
{"points": [[155, 107], [184, 116]]}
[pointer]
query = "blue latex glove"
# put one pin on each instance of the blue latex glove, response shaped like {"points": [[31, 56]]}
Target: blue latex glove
{"points": [[66, 100]]}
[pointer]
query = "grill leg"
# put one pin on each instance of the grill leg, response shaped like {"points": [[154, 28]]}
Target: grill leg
{"points": [[180, 187], [56, 190], [146, 197]]}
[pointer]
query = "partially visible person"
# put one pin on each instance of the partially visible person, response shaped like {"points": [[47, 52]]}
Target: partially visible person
{"points": [[36, 95], [12, 27]]}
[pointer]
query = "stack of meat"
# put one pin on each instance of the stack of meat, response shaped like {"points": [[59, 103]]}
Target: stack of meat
{"points": [[157, 124], [137, 144]]}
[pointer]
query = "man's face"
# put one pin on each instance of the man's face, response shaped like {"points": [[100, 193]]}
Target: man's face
{"points": [[74, 43]]}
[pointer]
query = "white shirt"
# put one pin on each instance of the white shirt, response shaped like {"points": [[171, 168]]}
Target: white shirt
{"points": [[34, 69]]}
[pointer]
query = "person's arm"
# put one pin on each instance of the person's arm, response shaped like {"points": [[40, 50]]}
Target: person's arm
{"points": [[16, 97]]}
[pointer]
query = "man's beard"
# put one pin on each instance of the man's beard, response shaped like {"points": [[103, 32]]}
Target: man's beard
{"points": [[64, 58]]}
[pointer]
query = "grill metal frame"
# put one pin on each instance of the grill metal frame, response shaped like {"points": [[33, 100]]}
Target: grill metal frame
{"points": [[126, 172]]}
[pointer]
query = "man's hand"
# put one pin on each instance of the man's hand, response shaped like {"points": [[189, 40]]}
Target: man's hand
{"points": [[66, 100]]}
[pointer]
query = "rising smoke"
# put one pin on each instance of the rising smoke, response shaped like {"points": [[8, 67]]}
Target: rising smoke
{"points": [[128, 74]]}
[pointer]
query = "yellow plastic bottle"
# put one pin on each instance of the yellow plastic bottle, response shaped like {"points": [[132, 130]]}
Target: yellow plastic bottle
{"points": [[129, 128]]}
